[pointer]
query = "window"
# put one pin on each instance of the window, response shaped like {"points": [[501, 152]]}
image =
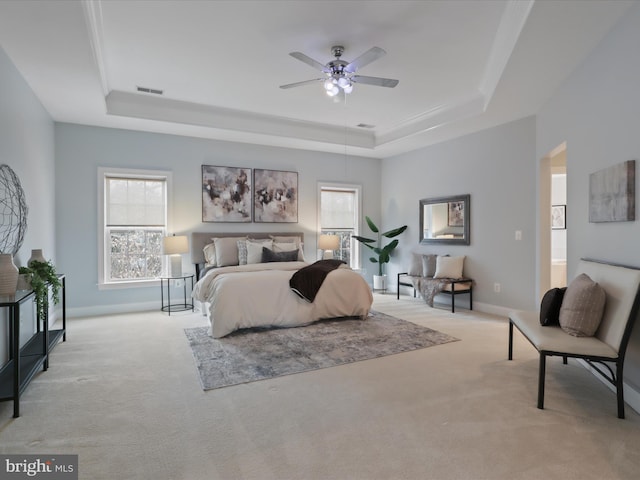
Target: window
{"points": [[340, 215], [133, 223]]}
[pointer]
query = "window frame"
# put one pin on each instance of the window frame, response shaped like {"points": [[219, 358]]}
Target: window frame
{"points": [[103, 257], [356, 263]]}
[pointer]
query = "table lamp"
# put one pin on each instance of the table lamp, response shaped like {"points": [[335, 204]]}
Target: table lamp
{"points": [[328, 243], [175, 246]]}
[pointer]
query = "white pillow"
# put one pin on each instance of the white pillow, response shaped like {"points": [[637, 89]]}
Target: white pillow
{"points": [[209, 251], [227, 250], [242, 252], [254, 249], [449, 267]]}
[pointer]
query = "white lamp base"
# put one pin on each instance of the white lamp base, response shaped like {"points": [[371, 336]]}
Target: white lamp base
{"points": [[327, 255], [176, 265]]}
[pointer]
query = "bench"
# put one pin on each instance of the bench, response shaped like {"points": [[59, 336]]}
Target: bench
{"points": [[453, 287], [609, 344]]}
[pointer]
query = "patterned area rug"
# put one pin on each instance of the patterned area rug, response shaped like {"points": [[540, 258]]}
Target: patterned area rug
{"points": [[259, 353]]}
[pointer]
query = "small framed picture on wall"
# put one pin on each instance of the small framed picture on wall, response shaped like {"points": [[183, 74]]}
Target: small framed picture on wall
{"points": [[558, 217]]}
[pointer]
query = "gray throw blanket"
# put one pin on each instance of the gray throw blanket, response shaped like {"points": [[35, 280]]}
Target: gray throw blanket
{"points": [[307, 281], [429, 287]]}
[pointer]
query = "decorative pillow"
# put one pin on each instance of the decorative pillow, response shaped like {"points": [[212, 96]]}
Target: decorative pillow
{"points": [[429, 265], [289, 247], [415, 269], [271, 256], [286, 239], [550, 307], [227, 250], [254, 249], [242, 252], [209, 251], [449, 267], [582, 307]]}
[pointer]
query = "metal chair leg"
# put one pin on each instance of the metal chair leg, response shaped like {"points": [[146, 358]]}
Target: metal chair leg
{"points": [[541, 374]]}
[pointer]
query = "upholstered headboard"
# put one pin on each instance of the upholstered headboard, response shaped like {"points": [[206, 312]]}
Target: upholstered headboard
{"points": [[200, 239]]}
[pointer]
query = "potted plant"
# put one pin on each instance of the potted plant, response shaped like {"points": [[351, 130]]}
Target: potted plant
{"points": [[39, 276], [383, 253]]}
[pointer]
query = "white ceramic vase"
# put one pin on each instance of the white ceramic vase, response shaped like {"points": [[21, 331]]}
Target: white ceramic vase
{"points": [[36, 256], [8, 274]]}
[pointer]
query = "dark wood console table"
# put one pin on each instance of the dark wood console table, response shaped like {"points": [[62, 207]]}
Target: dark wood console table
{"points": [[25, 362]]}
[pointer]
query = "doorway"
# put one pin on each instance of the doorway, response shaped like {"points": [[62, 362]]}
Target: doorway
{"points": [[553, 219]]}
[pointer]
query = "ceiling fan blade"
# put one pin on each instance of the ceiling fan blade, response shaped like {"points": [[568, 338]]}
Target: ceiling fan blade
{"points": [[299, 84], [309, 61], [377, 81], [366, 58]]}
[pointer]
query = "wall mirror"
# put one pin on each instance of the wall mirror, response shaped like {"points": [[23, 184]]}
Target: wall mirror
{"points": [[445, 220]]}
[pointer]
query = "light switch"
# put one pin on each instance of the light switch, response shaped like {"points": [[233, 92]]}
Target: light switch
{"points": [[518, 234]]}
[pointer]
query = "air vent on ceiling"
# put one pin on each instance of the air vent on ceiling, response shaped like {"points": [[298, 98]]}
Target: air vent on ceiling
{"points": [[155, 91], [365, 125]]}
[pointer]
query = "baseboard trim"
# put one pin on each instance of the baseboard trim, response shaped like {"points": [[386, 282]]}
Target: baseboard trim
{"points": [[111, 309], [631, 395]]}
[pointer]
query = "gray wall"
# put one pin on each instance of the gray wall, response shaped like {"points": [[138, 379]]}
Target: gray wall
{"points": [[80, 150], [27, 146], [497, 168], [597, 111]]}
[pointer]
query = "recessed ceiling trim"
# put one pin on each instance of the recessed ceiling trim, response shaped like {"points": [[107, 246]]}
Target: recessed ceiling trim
{"points": [[92, 10], [511, 24], [437, 116], [167, 110]]}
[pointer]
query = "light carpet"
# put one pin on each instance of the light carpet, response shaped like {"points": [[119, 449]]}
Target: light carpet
{"points": [[259, 353]]}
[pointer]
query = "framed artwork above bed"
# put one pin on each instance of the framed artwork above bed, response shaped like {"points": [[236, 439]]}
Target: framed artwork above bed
{"points": [[276, 196], [226, 194]]}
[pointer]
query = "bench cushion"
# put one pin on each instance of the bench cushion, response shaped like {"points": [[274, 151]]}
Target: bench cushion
{"points": [[554, 339]]}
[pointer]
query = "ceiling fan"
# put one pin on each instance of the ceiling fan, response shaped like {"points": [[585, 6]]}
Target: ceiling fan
{"points": [[341, 75]]}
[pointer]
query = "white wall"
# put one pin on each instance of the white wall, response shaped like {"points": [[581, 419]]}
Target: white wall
{"points": [[596, 112], [497, 168], [27, 146], [80, 150]]}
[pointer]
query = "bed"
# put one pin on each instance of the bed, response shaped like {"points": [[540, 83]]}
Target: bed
{"points": [[247, 292]]}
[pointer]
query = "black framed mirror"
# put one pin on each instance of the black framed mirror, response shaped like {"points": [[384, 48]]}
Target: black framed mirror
{"points": [[445, 220]]}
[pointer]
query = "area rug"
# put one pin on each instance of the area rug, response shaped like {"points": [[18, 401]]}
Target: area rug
{"points": [[259, 353]]}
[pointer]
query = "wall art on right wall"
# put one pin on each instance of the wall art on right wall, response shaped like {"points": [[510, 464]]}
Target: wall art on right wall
{"points": [[612, 193]]}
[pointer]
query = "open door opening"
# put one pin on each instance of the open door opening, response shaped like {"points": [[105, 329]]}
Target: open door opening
{"points": [[553, 220]]}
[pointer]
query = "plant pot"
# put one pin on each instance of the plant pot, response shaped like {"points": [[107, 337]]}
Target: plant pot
{"points": [[379, 282], [23, 282], [36, 256], [8, 275]]}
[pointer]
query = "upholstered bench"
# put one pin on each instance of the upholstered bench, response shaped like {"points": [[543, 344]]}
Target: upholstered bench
{"points": [[435, 274], [621, 306], [447, 286]]}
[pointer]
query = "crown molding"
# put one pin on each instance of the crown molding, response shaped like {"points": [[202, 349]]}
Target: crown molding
{"points": [[167, 110]]}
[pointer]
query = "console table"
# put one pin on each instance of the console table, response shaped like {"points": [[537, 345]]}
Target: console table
{"points": [[24, 362]]}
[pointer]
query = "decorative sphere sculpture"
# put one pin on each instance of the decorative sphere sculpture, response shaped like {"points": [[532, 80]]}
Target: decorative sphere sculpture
{"points": [[13, 211]]}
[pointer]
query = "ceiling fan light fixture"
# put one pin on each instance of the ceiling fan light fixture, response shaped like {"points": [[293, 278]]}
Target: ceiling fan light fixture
{"points": [[343, 82], [329, 84], [333, 91], [348, 88]]}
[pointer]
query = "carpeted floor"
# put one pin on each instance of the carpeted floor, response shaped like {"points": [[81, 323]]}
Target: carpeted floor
{"points": [[123, 394], [258, 354]]}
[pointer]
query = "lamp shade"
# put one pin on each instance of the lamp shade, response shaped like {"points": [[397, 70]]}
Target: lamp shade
{"points": [[329, 242], [175, 245]]}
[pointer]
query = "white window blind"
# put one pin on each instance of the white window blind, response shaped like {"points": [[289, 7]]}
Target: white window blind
{"points": [[338, 209], [135, 202]]}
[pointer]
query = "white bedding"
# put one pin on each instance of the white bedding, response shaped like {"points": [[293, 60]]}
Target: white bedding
{"points": [[259, 295]]}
